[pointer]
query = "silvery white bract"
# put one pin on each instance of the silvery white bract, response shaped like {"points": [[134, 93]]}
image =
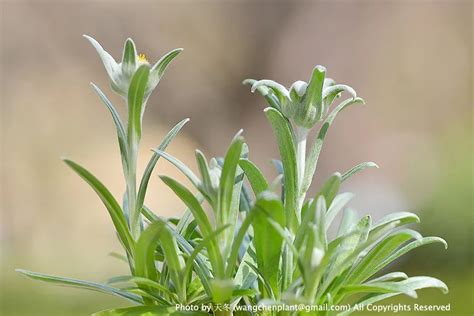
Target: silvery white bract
{"points": [[121, 74], [304, 103]]}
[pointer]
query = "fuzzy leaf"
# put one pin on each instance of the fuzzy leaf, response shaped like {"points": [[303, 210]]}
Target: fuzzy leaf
{"points": [[136, 100], [160, 66], [201, 218], [254, 175], [284, 135], [129, 57], [154, 159], [122, 137], [267, 240], [357, 168], [110, 203], [80, 284]]}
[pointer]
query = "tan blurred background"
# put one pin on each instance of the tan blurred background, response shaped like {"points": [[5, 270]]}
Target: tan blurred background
{"points": [[410, 60]]}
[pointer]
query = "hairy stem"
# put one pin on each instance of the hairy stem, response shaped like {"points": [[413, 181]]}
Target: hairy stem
{"points": [[131, 180], [301, 135]]}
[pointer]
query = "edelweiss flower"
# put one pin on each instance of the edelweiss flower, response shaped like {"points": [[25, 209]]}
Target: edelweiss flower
{"points": [[121, 74], [304, 103]]}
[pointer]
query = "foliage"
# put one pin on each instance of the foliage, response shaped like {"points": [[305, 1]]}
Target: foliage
{"points": [[262, 242]]}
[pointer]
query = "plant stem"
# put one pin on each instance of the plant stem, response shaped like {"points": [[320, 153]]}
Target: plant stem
{"points": [[301, 134], [132, 189]]}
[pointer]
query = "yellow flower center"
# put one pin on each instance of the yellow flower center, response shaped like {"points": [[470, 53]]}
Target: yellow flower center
{"points": [[142, 58]]}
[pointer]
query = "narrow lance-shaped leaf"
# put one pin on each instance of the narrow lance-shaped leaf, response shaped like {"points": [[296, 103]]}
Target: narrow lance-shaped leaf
{"points": [[337, 205], [145, 255], [330, 188], [201, 218], [413, 283], [364, 269], [313, 156], [284, 135], [254, 175], [358, 168], [80, 284], [203, 244], [154, 159], [226, 188], [160, 66], [110, 203], [122, 137], [136, 100], [183, 168], [237, 243], [129, 58], [267, 240], [271, 98], [205, 175]]}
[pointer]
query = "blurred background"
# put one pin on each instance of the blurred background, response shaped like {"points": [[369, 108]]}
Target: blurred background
{"points": [[410, 60]]}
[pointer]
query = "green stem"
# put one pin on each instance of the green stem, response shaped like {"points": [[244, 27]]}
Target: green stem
{"points": [[301, 135], [132, 189]]}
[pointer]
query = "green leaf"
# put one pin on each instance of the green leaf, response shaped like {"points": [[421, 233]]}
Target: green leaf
{"points": [[369, 265], [225, 213], [201, 218], [203, 244], [271, 98], [154, 159], [389, 277], [284, 135], [337, 205], [80, 284], [183, 168], [277, 89], [308, 213], [109, 62], [378, 287], [311, 163], [330, 188], [357, 168], [145, 255], [145, 251], [320, 221], [136, 100], [349, 249], [205, 175], [400, 218], [314, 91], [409, 247], [349, 219], [267, 241], [254, 175], [129, 57], [237, 243], [312, 159], [160, 66], [122, 137], [110, 203], [412, 284], [333, 91], [332, 116], [222, 290], [149, 215], [263, 280], [201, 266]]}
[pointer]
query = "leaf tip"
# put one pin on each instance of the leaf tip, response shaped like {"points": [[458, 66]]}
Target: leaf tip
{"points": [[373, 164], [249, 82]]}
